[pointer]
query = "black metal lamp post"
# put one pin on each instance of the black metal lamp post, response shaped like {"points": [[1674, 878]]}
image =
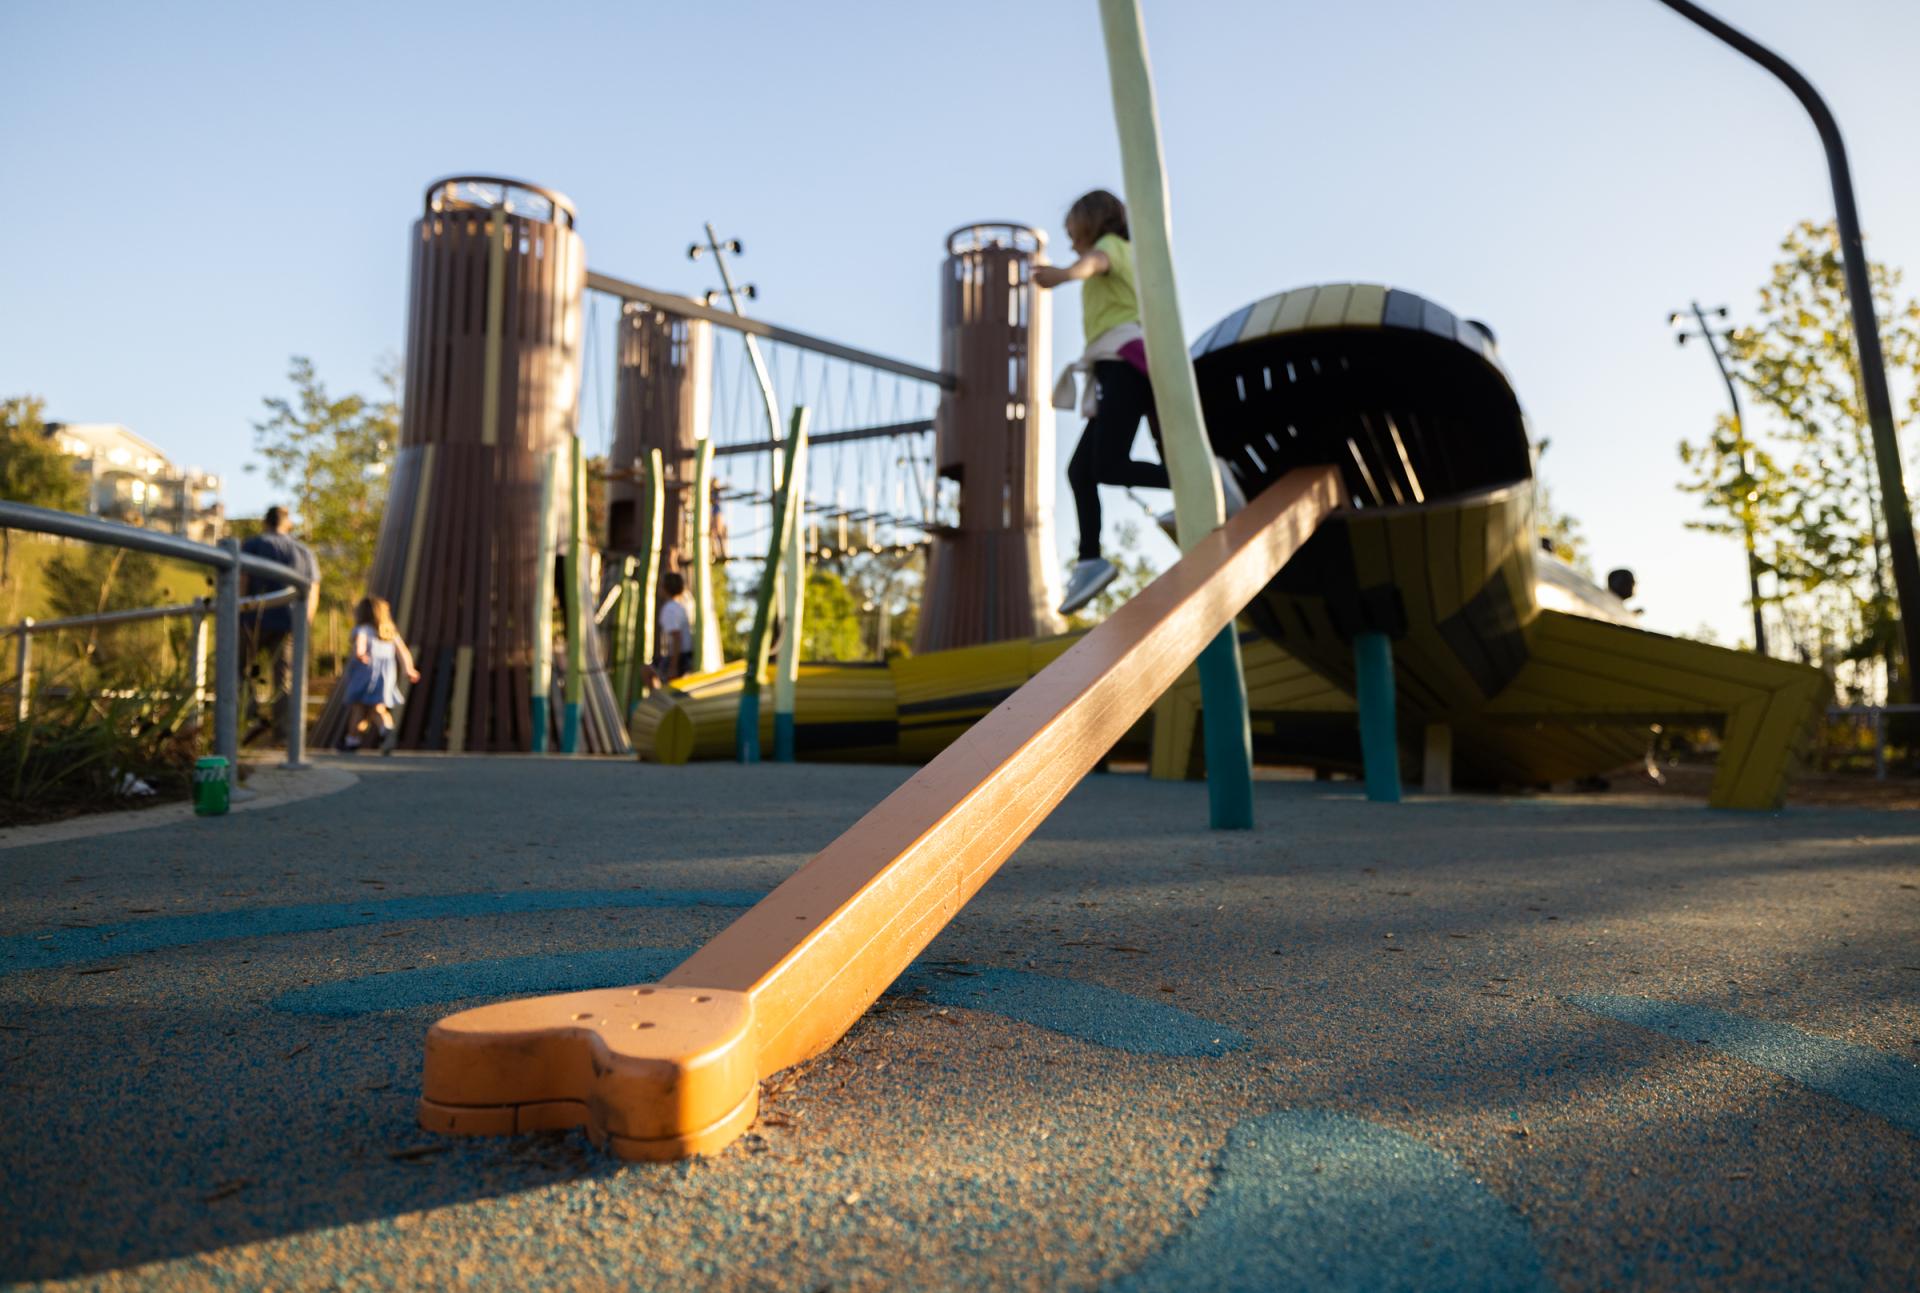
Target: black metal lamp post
{"points": [[1866, 329], [1712, 338]]}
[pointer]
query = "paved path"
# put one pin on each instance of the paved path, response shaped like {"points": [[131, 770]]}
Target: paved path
{"points": [[1472, 1044]]}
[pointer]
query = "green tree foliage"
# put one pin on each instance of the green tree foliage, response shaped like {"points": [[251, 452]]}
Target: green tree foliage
{"points": [[332, 457], [1809, 487], [831, 626], [830, 621], [32, 470], [94, 578], [885, 587]]}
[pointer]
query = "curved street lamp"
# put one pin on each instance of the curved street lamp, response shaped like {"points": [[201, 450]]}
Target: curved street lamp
{"points": [[1712, 338], [1866, 329]]}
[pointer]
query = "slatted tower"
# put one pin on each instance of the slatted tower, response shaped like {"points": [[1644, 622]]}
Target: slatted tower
{"points": [[481, 491], [992, 571]]}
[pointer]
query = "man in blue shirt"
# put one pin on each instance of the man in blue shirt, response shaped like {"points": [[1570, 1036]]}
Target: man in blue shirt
{"points": [[271, 630]]}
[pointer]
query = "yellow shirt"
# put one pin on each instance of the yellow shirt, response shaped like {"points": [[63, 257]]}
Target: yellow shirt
{"points": [[1107, 300]]}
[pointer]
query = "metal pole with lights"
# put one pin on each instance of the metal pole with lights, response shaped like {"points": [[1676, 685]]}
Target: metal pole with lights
{"points": [[1712, 338], [1866, 329]]}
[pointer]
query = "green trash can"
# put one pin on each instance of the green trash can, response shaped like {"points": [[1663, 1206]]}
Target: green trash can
{"points": [[211, 789]]}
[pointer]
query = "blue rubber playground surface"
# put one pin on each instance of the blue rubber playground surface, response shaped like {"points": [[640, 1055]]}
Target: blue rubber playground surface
{"points": [[1479, 1044]]}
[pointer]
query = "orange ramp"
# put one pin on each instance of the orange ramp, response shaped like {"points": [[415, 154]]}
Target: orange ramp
{"points": [[667, 1070]]}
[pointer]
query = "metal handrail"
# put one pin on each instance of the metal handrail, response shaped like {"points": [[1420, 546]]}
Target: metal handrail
{"points": [[228, 563], [198, 606]]}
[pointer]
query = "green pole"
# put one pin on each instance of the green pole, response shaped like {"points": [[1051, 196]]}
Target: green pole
{"points": [[746, 731], [1197, 503], [793, 598], [646, 623], [576, 619], [706, 642], [543, 608], [625, 649]]}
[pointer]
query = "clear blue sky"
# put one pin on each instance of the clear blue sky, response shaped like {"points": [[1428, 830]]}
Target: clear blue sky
{"points": [[196, 192]]}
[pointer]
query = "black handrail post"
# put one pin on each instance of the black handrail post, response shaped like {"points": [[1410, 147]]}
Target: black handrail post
{"points": [[1866, 328]]}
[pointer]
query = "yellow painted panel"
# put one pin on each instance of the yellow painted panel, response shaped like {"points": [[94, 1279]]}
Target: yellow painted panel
{"points": [[1760, 779], [1366, 306], [1371, 563], [1573, 689], [1292, 315], [1407, 542], [1443, 568], [1678, 674], [673, 739], [1737, 666], [1329, 307], [1736, 739], [1306, 695], [1171, 753], [1473, 566], [1260, 318]]}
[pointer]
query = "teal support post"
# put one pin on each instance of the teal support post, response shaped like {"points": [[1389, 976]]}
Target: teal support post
{"points": [[1379, 737], [1226, 734]]}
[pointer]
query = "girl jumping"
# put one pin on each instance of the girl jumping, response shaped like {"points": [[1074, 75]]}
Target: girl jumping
{"points": [[1118, 394]]}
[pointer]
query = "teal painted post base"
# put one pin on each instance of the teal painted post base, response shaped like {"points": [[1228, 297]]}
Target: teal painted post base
{"points": [[1226, 734], [746, 729], [570, 728], [539, 719], [1379, 737], [782, 737]]}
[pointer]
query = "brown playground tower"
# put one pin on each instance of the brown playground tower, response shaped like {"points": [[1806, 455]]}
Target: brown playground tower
{"points": [[662, 392], [991, 572], [480, 495]]}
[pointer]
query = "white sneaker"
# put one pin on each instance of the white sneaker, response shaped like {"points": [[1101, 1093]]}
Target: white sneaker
{"points": [[1086, 582], [1229, 491]]}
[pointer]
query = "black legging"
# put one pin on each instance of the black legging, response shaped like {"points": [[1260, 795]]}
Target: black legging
{"points": [[1105, 454]]}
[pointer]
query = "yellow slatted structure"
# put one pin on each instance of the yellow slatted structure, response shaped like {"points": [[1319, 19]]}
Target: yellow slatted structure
{"points": [[1588, 669]]}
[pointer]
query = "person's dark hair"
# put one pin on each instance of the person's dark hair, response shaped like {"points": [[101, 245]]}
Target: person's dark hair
{"points": [[1098, 214], [673, 582], [275, 517]]}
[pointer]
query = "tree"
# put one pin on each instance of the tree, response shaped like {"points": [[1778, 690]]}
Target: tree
{"points": [[830, 621], [1812, 495], [32, 470], [332, 457], [885, 587], [97, 578], [1740, 485], [830, 627]]}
